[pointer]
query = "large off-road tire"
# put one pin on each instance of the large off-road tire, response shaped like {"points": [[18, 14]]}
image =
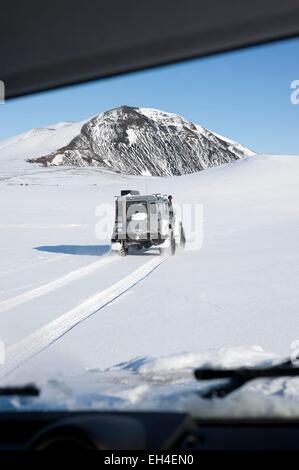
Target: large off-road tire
{"points": [[124, 249], [172, 244], [182, 237]]}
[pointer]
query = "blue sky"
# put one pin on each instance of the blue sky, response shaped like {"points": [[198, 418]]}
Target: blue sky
{"points": [[243, 95]]}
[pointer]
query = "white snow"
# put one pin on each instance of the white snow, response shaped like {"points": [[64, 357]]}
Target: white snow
{"points": [[234, 144], [146, 173], [15, 151], [64, 328], [131, 136], [167, 383]]}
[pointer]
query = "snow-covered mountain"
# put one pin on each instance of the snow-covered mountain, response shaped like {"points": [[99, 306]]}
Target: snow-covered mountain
{"points": [[142, 141]]}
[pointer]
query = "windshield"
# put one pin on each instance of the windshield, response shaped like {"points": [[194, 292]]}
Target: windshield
{"points": [[104, 316]]}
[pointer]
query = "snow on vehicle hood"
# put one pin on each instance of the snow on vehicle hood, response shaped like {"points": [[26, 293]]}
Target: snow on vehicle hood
{"points": [[167, 384]]}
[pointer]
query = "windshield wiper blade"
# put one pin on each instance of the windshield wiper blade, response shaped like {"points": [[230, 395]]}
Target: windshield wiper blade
{"points": [[236, 378], [29, 390]]}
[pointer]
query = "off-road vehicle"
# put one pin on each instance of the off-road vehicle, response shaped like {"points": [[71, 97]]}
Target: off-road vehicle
{"points": [[144, 221]]}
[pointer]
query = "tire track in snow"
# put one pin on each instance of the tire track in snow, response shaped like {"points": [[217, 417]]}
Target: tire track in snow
{"points": [[33, 344], [55, 284]]}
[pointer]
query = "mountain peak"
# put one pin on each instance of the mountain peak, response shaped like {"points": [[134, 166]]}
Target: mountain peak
{"points": [[145, 141]]}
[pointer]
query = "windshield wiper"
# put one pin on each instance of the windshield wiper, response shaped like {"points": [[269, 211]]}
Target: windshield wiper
{"points": [[29, 390], [236, 378]]}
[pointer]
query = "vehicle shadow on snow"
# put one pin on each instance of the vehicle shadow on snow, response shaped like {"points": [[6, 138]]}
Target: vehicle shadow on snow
{"points": [[86, 250]]}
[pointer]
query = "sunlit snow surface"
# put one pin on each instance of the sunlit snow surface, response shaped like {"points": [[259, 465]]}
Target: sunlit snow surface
{"points": [[201, 307]]}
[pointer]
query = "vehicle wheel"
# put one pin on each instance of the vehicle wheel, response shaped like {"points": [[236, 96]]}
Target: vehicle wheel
{"points": [[172, 244], [182, 237], [124, 249]]}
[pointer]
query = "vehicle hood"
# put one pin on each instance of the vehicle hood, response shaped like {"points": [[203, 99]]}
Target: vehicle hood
{"points": [[163, 384]]}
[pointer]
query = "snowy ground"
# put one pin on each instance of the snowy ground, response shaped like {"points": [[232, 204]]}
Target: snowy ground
{"points": [[98, 331]]}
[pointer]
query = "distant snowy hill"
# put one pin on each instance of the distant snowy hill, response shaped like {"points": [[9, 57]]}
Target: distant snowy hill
{"points": [[15, 151], [138, 141]]}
